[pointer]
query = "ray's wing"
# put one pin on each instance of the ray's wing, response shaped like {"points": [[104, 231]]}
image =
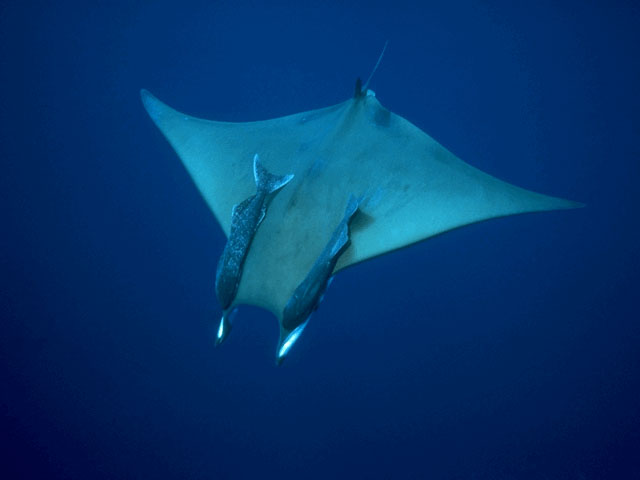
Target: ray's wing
{"points": [[219, 155], [418, 189]]}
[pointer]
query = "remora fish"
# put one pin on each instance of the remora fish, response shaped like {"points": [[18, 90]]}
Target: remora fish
{"points": [[246, 217], [308, 295]]}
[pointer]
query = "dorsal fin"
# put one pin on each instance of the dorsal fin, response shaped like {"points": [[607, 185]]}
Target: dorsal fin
{"points": [[358, 93]]}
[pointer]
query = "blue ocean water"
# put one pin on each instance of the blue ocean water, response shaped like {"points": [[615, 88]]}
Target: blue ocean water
{"points": [[506, 349]]}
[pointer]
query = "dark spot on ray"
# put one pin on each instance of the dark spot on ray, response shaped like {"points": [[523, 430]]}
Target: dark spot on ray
{"points": [[292, 202], [382, 117], [361, 221], [317, 166]]}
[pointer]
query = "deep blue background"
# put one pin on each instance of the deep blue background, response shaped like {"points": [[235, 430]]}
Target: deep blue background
{"points": [[507, 349]]}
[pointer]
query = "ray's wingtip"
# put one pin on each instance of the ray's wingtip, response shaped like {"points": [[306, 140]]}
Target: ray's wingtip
{"points": [[571, 204], [146, 96], [152, 105], [559, 203]]}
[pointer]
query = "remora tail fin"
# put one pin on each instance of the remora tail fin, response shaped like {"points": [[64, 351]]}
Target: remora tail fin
{"points": [[266, 181], [343, 229]]}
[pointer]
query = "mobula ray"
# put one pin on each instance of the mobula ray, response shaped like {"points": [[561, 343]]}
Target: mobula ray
{"points": [[408, 186]]}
